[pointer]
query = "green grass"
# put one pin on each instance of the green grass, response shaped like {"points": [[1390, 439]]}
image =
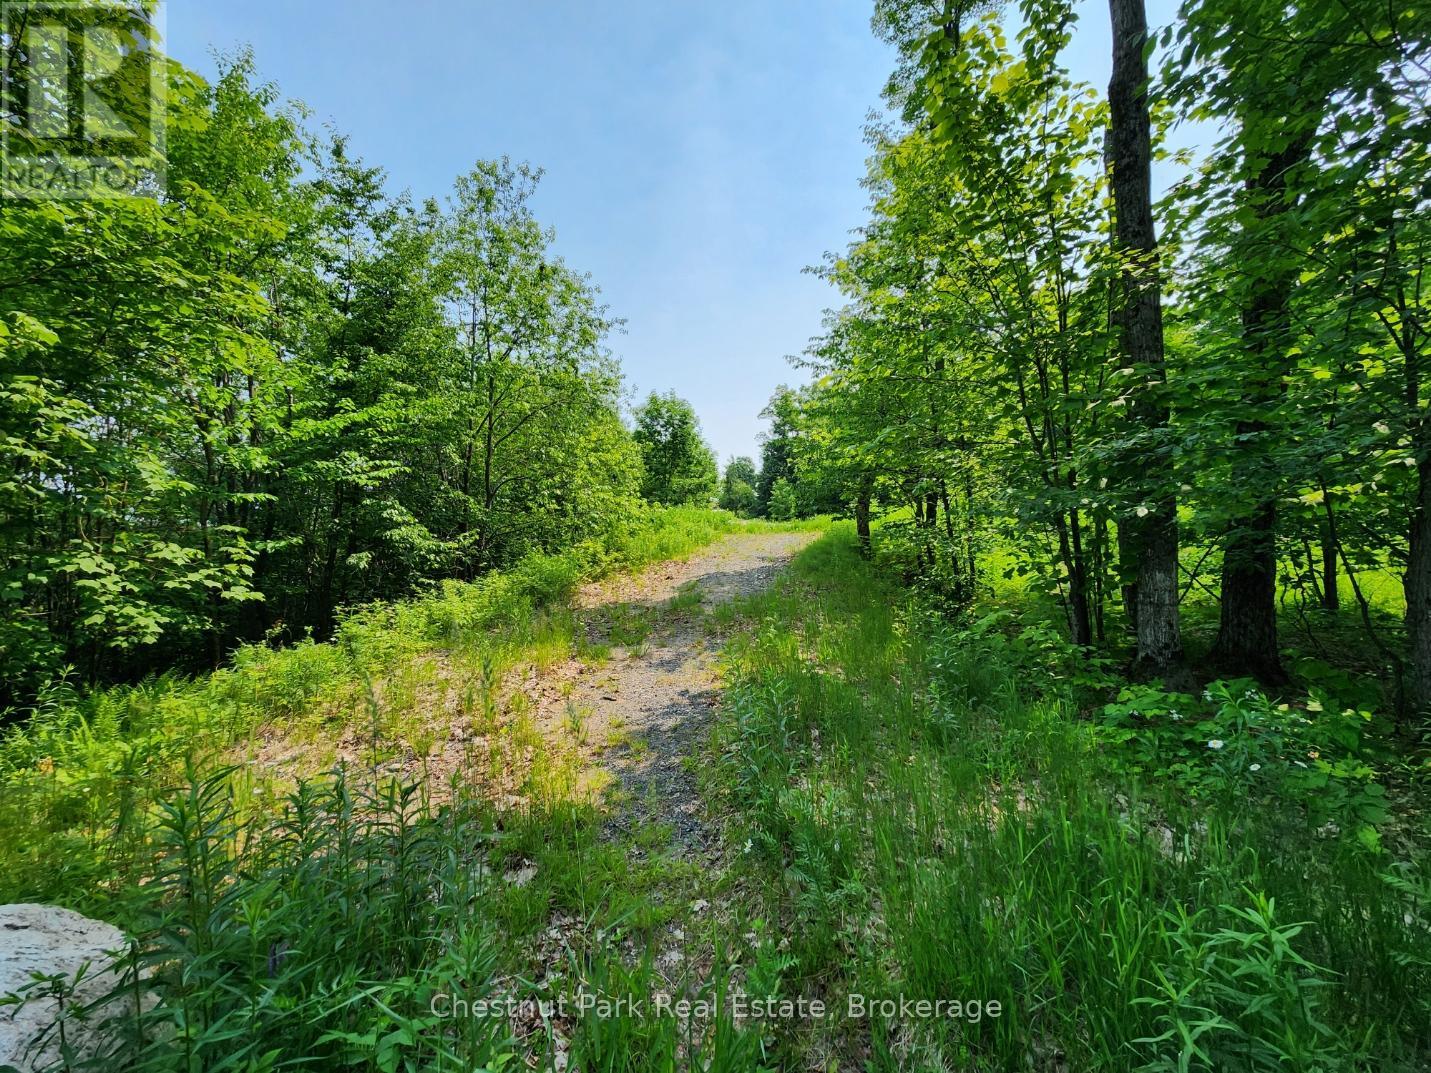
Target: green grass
{"points": [[316, 924], [82, 778], [687, 598], [340, 929], [933, 814], [916, 807]]}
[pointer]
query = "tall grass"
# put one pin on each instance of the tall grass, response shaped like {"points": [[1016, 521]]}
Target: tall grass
{"points": [[331, 933], [934, 817], [360, 924], [81, 778], [920, 808]]}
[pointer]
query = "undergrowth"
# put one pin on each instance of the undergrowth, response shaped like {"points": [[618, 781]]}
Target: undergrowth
{"points": [[82, 776], [965, 809], [361, 924]]}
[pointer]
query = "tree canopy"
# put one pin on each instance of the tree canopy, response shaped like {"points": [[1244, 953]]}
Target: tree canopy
{"points": [[278, 390], [679, 467], [1215, 392]]}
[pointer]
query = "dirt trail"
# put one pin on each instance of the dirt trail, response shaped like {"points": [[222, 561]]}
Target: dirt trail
{"points": [[644, 712], [634, 718]]}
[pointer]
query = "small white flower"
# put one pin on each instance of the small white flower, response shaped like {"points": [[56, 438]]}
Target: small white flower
{"points": [[1254, 767], [1207, 694], [1216, 743], [1175, 715], [749, 845]]}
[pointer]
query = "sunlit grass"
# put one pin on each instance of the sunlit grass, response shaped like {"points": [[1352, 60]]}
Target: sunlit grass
{"points": [[80, 780], [930, 817]]}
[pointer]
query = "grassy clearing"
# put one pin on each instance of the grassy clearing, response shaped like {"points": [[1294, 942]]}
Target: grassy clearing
{"points": [[915, 808], [339, 924], [81, 779], [954, 811]]}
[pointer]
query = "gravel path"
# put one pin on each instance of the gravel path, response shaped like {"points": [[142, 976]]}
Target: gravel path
{"points": [[622, 718], [644, 713]]}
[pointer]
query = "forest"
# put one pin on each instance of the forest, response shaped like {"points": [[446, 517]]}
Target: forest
{"points": [[1220, 391], [371, 648], [281, 392]]}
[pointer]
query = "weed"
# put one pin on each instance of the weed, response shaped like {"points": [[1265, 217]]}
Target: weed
{"points": [[688, 597], [80, 779], [922, 811]]}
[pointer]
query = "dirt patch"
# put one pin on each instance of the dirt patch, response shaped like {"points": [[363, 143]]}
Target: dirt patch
{"points": [[615, 722], [656, 700], [643, 715]]}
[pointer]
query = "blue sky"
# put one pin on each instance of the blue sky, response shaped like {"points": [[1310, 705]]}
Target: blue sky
{"points": [[697, 156]]}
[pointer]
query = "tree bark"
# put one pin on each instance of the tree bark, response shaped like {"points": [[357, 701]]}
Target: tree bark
{"points": [[1417, 585], [1331, 598], [1128, 573], [1414, 694], [862, 518], [1070, 549], [1247, 634], [1152, 531]]}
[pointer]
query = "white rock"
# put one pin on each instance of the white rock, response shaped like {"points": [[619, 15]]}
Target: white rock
{"points": [[520, 877], [53, 941]]}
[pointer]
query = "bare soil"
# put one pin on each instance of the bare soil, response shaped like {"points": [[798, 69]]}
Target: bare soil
{"points": [[627, 712], [644, 713]]}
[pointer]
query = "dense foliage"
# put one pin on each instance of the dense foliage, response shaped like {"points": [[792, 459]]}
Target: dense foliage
{"points": [[679, 467], [278, 390], [1157, 886], [1003, 373], [737, 486], [83, 778]]}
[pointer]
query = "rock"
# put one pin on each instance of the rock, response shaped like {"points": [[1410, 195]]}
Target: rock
{"points": [[520, 877], [53, 941]]}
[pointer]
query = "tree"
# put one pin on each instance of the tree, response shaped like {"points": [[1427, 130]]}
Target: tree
{"points": [[229, 411], [142, 392], [679, 467], [1151, 528], [776, 446], [737, 491], [783, 506], [531, 380], [1303, 93], [1006, 186]]}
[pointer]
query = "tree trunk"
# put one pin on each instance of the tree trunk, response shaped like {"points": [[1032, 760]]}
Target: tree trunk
{"points": [[1331, 598], [862, 519], [1417, 585], [1128, 573], [1153, 529], [1247, 635], [1414, 694], [1080, 624], [1313, 578]]}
